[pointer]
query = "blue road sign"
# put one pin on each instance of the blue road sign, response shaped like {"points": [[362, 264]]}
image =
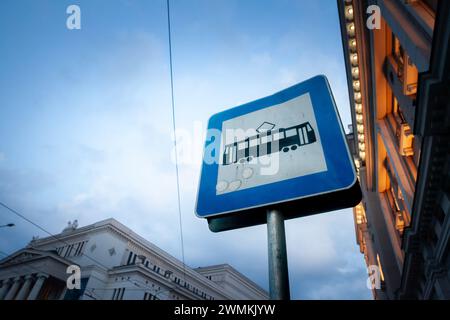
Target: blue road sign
{"points": [[279, 149]]}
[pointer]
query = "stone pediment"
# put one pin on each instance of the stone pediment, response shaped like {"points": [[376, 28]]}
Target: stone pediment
{"points": [[23, 256]]}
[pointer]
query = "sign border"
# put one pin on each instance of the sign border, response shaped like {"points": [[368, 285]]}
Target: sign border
{"points": [[277, 98]]}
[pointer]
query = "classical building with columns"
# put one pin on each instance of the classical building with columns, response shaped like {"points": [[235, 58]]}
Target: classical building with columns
{"points": [[398, 65], [115, 263]]}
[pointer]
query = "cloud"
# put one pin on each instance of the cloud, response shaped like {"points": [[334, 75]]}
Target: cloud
{"points": [[107, 153]]}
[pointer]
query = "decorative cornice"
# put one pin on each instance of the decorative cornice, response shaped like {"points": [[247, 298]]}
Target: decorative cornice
{"points": [[434, 152]]}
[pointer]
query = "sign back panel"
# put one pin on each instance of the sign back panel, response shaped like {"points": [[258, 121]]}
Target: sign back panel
{"points": [[276, 150]]}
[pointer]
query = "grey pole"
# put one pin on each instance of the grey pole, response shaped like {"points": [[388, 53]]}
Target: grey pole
{"points": [[278, 267]]}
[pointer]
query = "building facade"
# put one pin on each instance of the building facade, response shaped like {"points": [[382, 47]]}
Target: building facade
{"points": [[397, 63], [117, 264]]}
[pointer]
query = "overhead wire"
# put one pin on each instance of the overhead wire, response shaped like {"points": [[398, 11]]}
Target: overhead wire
{"points": [[53, 236], [140, 285], [180, 220]]}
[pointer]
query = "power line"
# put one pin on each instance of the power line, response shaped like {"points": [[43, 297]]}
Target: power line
{"points": [[180, 220], [176, 167], [140, 285], [44, 230], [23, 217], [55, 237]]}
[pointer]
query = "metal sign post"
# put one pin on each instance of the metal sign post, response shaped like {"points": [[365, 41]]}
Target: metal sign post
{"points": [[278, 267], [265, 159], [287, 150]]}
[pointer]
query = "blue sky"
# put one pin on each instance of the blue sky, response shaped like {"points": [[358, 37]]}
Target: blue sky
{"points": [[85, 122]]}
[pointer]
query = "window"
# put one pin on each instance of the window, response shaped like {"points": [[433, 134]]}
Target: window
{"points": [[80, 248], [407, 72], [398, 54], [130, 255], [253, 142], [77, 247], [394, 195], [291, 132], [149, 296], [397, 119], [68, 251], [74, 249], [118, 294], [397, 112], [167, 273], [156, 268], [407, 146], [242, 145], [277, 136]]}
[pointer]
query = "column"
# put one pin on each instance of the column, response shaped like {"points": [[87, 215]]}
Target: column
{"points": [[37, 286], [12, 291], [4, 288], [25, 288]]}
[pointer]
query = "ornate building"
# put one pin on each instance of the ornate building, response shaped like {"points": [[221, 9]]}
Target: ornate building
{"points": [[117, 264], [397, 62]]}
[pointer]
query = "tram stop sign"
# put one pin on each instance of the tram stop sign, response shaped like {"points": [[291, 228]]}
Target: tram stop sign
{"points": [[286, 151]]}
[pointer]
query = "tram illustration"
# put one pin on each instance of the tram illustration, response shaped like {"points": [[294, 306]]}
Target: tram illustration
{"points": [[271, 141]]}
